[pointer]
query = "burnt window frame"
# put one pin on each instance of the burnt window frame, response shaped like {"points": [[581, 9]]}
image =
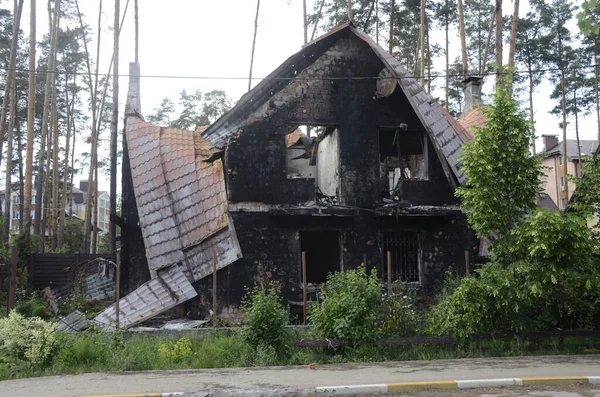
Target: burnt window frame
{"points": [[424, 147], [396, 275]]}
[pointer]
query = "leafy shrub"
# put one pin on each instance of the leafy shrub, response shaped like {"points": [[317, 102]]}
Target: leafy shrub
{"points": [[348, 307], [29, 339], [176, 351], [399, 315], [265, 318], [33, 306], [552, 281]]}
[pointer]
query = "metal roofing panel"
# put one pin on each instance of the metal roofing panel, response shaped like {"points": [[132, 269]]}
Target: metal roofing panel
{"points": [[166, 291]]}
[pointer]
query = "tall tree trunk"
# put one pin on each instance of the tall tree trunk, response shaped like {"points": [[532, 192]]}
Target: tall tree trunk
{"points": [[565, 154], [63, 197], [113, 131], [392, 16], [305, 21], [487, 43], [21, 176], [137, 31], [463, 40], [447, 27], [93, 88], [498, 36], [422, 40], [513, 42], [429, 61], [10, 78], [72, 171], [377, 21], [10, 95], [55, 148], [579, 163], [349, 6], [253, 45], [41, 176], [312, 36], [9, 154], [596, 81], [95, 212], [30, 123], [531, 112]]}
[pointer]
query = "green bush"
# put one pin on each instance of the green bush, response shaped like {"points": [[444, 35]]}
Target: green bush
{"points": [[265, 318], [33, 306], [176, 351], [80, 350], [349, 306], [399, 315], [552, 281], [28, 339]]}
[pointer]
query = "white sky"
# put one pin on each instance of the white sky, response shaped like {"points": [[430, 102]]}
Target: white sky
{"points": [[210, 38]]}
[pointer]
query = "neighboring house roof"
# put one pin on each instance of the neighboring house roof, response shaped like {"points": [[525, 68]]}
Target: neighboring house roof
{"points": [[445, 133], [473, 120], [588, 148], [544, 201]]}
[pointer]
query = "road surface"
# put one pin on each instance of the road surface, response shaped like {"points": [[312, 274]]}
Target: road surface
{"points": [[303, 377]]}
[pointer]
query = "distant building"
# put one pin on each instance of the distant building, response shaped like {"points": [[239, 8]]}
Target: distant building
{"points": [[555, 180]]}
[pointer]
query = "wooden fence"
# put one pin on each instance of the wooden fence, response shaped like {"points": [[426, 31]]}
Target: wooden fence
{"points": [[448, 341]]}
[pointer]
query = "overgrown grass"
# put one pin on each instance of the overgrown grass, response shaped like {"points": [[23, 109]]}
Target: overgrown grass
{"points": [[97, 352]]}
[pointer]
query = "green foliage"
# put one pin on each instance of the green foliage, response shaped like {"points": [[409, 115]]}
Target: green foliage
{"points": [[552, 282], [33, 306], [176, 351], [502, 178], [587, 195], [28, 339], [588, 18], [348, 307], [73, 235], [25, 248], [265, 318], [399, 316]]}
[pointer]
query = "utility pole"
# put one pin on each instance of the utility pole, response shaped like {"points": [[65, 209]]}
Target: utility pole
{"points": [[114, 125]]}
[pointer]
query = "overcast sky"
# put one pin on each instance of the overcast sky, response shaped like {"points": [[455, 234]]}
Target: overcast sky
{"points": [[210, 38]]}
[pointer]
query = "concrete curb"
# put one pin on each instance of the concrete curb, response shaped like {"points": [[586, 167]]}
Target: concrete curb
{"points": [[173, 394], [387, 388]]}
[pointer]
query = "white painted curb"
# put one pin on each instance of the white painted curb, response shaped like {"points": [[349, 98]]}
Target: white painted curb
{"points": [[350, 390], [473, 384]]}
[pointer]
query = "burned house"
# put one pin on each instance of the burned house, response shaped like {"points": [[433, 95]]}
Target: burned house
{"points": [[338, 156]]}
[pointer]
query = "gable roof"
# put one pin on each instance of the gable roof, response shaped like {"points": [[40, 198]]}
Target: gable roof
{"points": [[446, 134], [588, 148], [473, 120]]}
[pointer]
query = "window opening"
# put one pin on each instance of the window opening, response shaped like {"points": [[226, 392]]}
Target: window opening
{"points": [[313, 152], [322, 254], [403, 155], [404, 246]]}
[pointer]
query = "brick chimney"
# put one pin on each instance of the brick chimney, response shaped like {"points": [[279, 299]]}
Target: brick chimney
{"points": [[472, 93], [83, 185], [549, 141]]}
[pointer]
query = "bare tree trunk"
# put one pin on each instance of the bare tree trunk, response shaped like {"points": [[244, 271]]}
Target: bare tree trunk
{"points": [[428, 48], [487, 43], [312, 36], [579, 163], [392, 16], [55, 135], [349, 2], [137, 31], [377, 21], [463, 40], [513, 42], [498, 36], [10, 94], [531, 112], [63, 196], [422, 40], [596, 94], [40, 192], [30, 123], [447, 27], [72, 172], [21, 176], [12, 63], [95, 212], [305, 21], [253, 45], [565, 154], [113, 131], [368, 20], [9, 154]]}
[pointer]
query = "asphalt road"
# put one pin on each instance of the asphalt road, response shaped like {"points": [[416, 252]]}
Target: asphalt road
{"points": [[253, 379]]}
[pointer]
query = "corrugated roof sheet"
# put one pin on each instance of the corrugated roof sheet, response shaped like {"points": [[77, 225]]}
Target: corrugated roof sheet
{"points": [[182, 204]]}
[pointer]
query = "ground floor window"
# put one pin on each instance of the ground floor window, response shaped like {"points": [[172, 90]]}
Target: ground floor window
{"points": [[322, 250], [404, 249]]}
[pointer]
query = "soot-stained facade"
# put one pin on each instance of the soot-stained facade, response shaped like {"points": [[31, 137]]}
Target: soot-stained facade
{"points": [[338, 156]]}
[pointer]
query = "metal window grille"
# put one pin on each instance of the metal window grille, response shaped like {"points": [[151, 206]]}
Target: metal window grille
{"points": [[404, 246]]}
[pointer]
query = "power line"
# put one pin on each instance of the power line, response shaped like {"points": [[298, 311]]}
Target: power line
{"points": [[245, 78]]}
